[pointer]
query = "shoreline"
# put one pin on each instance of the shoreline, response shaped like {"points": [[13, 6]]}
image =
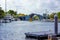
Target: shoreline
{"points": [[49, 20], [43, 20]]}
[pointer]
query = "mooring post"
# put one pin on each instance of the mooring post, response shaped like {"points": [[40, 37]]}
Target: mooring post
{"points": [[56, 27], [56, 24]]}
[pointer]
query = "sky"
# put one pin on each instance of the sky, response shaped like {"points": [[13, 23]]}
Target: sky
{"points": [[32, 6]]}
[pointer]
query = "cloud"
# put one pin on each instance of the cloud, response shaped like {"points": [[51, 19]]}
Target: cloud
{"points": [[29, 6], [2, 3]]}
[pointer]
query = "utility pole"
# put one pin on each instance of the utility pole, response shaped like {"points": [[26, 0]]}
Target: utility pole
{"points": [[6, 5], [5, 9]]}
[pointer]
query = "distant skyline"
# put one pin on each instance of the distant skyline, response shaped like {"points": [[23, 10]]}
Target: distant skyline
{"points": [[32, 6]]}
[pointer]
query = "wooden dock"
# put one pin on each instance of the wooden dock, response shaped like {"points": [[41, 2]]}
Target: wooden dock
{"points": [[40, 35]]}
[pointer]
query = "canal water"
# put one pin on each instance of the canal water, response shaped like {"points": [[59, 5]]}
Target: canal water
{"points": [[15, 30]]}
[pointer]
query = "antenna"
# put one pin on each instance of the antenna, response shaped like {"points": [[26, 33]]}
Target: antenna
{"points": [[6, 5]]}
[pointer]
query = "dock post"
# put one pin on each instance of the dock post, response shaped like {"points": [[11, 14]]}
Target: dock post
{"points": [[56, 24]]}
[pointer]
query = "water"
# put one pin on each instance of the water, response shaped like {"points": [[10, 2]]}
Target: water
{"points": [[16, 30]]}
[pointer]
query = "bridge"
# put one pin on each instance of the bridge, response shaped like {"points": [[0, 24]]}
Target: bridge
{"points": [[31, 16]]}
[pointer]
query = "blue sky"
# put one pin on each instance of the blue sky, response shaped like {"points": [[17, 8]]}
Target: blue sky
{"points": [[32, 6]]}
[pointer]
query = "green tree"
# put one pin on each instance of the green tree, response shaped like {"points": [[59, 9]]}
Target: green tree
{"points": [[36, 17], [2, 14], [51, 15], [12, 12], [58, 13]]}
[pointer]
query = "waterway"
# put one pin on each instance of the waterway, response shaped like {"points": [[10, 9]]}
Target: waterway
{"points": [[16, 29]]}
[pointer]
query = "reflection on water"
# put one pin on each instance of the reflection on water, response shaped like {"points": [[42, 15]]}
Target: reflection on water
{"points": [[16, 30]]}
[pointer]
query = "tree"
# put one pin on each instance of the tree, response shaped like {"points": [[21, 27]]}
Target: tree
{"points": [[58, 14], [2, 14], [36, 17], [21, 14], [51, 15], [12, 12]]}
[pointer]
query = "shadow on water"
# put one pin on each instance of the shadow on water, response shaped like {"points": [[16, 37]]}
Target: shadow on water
{"points": [[30, 39], [34, 39]]}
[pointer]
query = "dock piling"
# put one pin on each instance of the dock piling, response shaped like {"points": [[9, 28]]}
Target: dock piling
{"points": [[56, 24]]}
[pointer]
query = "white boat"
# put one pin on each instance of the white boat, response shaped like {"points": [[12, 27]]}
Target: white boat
{"points": [[8, 18]]}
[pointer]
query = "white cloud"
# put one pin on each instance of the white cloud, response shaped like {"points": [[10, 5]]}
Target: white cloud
{"points": [[2, 3], [29, 6]]}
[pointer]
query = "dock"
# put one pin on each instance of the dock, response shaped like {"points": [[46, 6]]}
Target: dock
{"points": [[40, 35]]}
